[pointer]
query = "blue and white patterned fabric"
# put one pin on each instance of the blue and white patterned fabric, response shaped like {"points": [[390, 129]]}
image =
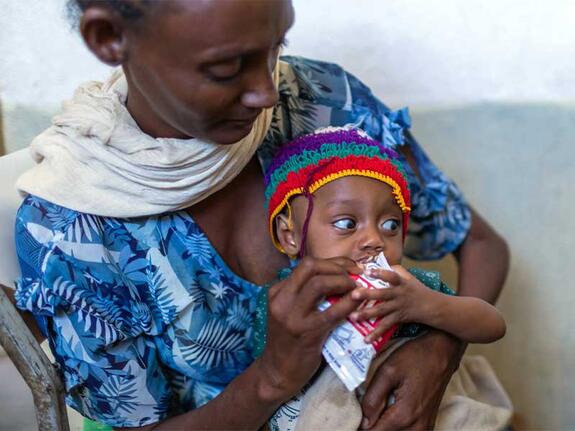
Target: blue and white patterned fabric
{"points": [[143, 316]]}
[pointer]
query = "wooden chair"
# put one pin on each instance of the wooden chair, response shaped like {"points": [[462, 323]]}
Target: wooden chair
{"points": [[15, 336]]}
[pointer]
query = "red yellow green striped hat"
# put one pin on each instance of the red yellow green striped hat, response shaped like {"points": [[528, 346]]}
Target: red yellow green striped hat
{"points": [[311, 161]]}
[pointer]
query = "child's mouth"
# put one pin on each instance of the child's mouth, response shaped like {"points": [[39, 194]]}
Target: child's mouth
{"points": [[366, 259]]}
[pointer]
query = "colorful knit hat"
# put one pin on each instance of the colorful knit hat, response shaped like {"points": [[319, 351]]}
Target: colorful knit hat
{"points": [[311, 161]]}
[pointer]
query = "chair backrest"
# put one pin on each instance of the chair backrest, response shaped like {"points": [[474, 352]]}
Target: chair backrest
{"points": [[11, 166]]}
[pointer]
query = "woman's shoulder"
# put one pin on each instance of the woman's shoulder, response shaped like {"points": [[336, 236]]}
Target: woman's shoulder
{"points": [[136, 267], [325, 83], [315, 94], [52, 225]]}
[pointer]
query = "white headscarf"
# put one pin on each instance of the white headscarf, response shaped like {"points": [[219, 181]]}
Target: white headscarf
{"points": [[96, 160]]}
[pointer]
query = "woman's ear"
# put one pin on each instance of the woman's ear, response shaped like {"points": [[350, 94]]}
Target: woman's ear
{"points": [[287, 235], [104, 33]]}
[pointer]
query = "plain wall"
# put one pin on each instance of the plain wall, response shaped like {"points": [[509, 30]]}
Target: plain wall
{"points": [[491, 88]]}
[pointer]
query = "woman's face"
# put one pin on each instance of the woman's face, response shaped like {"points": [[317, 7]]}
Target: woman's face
{"points": [[204, 69]]}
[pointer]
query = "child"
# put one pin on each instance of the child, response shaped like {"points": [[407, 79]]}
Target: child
{"points": [[337, 192]]}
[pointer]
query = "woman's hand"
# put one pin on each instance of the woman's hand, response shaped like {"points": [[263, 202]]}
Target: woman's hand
{"points": [[297, 330], [416, 375], [406, 300]]}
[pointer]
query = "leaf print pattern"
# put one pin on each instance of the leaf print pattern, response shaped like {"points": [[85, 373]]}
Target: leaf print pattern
{"points": [[144, 318], [218, 290], [214, 347], [239, 316], [120, 395], [198, 246]]}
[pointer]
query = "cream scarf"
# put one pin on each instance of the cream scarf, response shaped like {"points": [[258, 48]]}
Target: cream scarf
{"points": [[96, 160]]}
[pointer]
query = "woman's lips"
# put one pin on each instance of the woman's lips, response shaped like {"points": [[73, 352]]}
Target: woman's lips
{"points": [[244, 120], [249, 121], [241, 125]]}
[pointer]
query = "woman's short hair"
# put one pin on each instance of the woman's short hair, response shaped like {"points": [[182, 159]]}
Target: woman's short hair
{"points": [[129, 10]]}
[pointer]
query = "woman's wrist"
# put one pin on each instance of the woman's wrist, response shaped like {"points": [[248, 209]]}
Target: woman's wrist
{"points": [[269, 386], [449, 348], [246, 403]]}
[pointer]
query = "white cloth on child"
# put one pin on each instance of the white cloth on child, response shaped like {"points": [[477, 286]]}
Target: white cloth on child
{"points": [[474, 400]]}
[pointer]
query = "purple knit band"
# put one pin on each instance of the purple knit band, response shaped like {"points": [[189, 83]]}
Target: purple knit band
{"points": [[315, 140]]}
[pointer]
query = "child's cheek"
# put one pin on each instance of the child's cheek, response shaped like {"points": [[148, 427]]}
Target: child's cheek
{"points": [[394, 256]]}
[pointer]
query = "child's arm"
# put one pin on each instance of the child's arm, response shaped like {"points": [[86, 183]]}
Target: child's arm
{"points": [[408, 300], [470, 319]]}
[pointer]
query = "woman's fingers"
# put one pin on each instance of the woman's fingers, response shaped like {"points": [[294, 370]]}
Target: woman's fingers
{"points": [[349, 265], [310, 267], [335, 314], [379, 393], [305, 271], [310, 283], [322, 286]]}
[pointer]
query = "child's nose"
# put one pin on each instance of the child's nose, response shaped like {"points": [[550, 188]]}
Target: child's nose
{"points": [[372, 240]]}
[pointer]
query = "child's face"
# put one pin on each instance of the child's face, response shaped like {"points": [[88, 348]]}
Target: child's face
{"points": [[355, 217]]}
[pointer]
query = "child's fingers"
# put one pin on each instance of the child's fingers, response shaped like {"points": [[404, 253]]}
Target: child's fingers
{"points": [[401, 271], [377, 310], [375, 294], [390, 277], [384, 325]]}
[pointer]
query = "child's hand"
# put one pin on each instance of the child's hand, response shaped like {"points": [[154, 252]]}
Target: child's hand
{"points": [[406, 300]]}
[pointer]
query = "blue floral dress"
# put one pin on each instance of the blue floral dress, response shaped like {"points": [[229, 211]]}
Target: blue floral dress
{"points": [[144, 317]]}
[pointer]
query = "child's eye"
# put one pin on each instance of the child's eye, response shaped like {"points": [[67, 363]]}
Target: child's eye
{"points": [[345, 224], [390, 225]]}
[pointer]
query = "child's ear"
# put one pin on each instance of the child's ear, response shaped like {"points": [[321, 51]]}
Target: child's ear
{"points": [[286, 234]]}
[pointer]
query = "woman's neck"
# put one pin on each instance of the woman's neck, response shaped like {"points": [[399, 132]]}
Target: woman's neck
{"points": [[146, 118], [234, 221]]}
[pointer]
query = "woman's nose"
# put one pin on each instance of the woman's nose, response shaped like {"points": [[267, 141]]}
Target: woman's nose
{"points": [[261, 92]]}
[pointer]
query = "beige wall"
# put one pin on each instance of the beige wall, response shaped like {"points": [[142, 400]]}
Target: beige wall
{"points": [[515, 164], [2, 146]]}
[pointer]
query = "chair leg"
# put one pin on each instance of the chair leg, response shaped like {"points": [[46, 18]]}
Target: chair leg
{"points": [[35, 368]]}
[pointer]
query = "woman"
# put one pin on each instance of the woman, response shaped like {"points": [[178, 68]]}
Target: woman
{"points": [[143, 244]]}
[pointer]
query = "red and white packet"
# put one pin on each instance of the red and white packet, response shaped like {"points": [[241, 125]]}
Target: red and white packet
{"points": [[345, 350]]}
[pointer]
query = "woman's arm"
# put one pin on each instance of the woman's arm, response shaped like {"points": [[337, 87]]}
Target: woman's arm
{"points": [[483, 261], [246, 404], [296, 333]]}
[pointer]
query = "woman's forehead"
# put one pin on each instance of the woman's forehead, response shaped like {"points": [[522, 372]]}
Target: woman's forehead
{"points": [[220, 27]]}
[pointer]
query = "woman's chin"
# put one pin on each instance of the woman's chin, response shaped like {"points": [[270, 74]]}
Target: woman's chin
{"points": [[230, 133]]}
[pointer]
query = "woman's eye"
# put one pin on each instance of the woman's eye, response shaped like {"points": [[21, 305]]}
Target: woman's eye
{"points": [[345, 224], [390, 225], [225, 71]]}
